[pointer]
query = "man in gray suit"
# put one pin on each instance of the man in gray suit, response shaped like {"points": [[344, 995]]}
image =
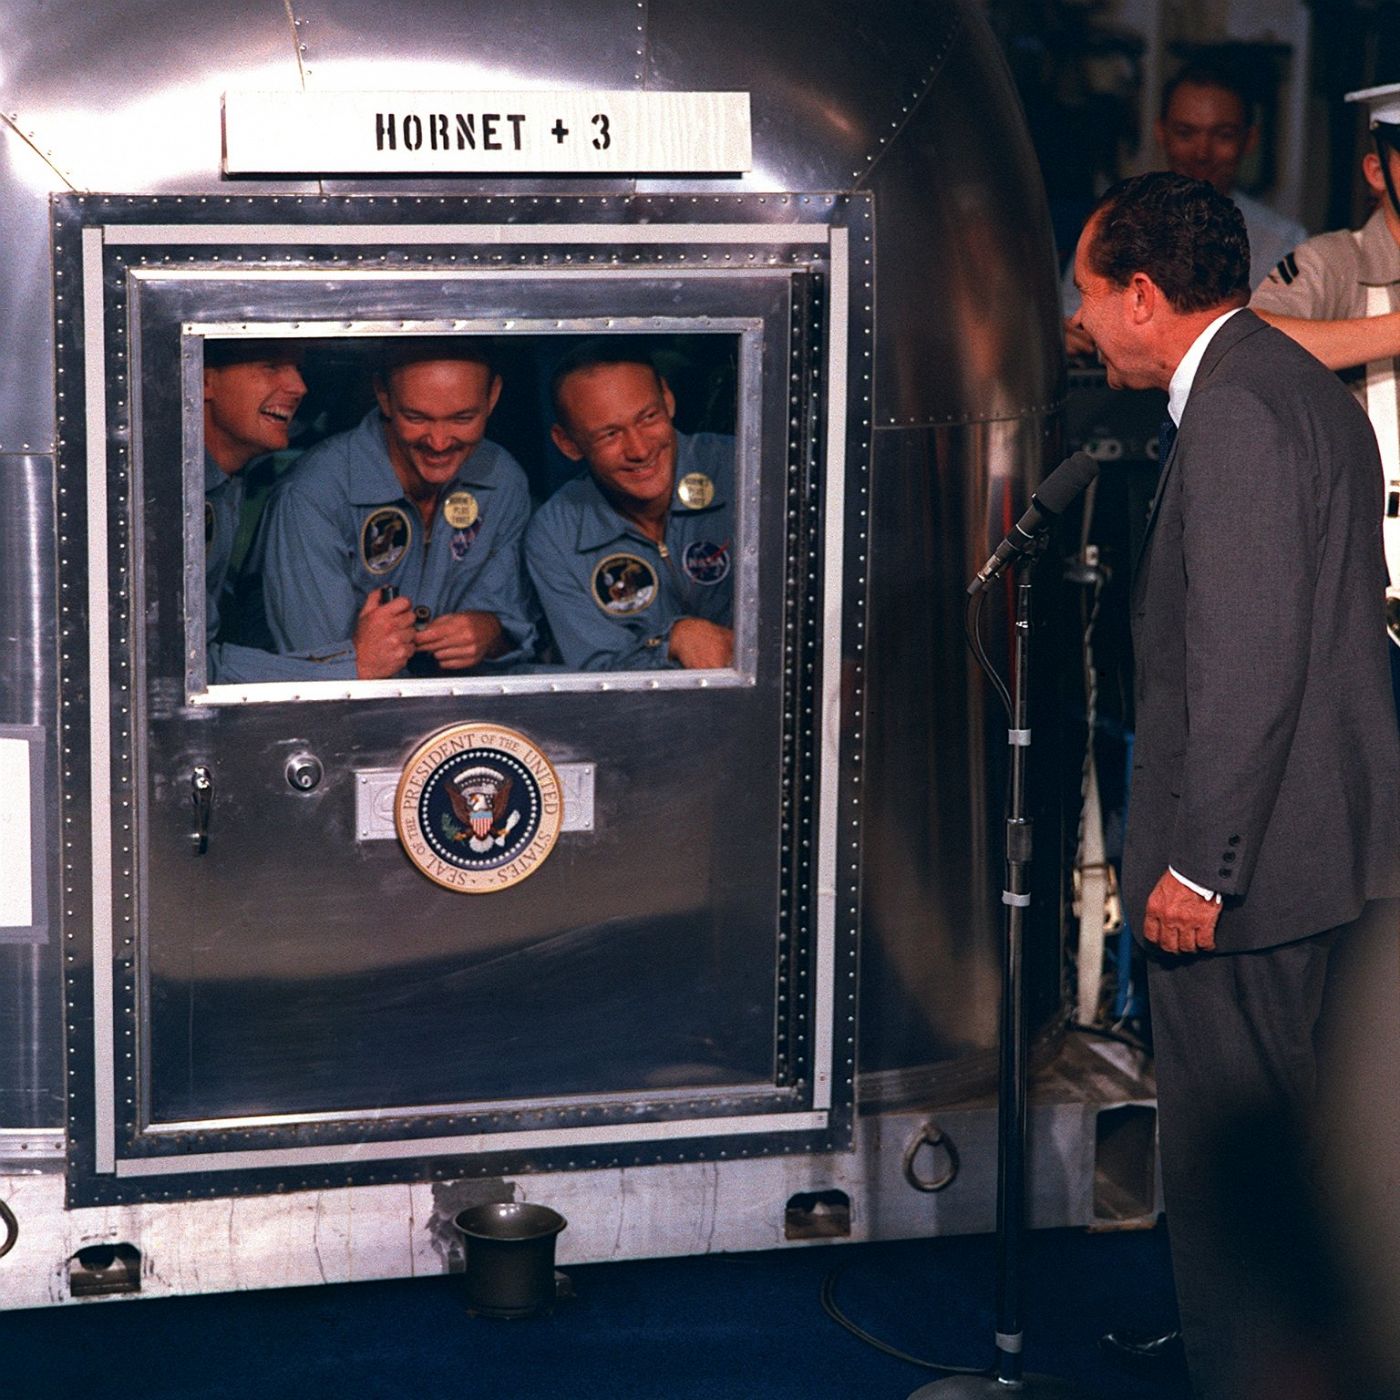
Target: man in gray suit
{"points": [[1262, 861]]}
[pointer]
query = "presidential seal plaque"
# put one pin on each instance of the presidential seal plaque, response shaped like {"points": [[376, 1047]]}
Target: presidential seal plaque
{"points": [[478, 808]]}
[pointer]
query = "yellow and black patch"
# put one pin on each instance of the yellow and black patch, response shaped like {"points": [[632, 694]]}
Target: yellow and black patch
{"points": [[384, 539], [624, 584]]}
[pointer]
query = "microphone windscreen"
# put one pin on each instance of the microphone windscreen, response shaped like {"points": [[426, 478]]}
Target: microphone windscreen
{"points": [[1066, 482]]}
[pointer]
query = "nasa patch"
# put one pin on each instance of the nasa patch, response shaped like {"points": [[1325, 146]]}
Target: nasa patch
{"points": [[478, 808], [624, 584], [705, 562], [384, 539]]}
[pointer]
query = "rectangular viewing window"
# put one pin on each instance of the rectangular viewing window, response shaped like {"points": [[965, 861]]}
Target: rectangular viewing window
{"points": [[352, 492]]}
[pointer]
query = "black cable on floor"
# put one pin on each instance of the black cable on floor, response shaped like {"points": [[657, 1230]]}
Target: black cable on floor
{"points": [[828, 1300]]}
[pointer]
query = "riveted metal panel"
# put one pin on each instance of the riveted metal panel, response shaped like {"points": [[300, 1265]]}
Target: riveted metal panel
{"points": [[831, 85], [127, 97], [31, 1048], [935, 770], [26, 299], [968, 317], [245, 1020]]}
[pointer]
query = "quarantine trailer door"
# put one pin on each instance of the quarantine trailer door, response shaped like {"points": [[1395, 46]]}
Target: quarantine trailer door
{"points": [[280, 974]]}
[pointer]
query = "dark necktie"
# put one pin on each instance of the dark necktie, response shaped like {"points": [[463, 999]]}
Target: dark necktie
{"points": [[1166, 435]]}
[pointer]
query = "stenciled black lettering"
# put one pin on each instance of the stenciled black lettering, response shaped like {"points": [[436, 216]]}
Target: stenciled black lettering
{"points": [[412, 132], [516, 119], [384, 131], [488, 131], [466, 131], [437, 131]]}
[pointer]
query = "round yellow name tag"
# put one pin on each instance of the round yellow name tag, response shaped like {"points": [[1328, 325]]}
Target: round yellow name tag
{"points": [[696, 490], [460, 510]]}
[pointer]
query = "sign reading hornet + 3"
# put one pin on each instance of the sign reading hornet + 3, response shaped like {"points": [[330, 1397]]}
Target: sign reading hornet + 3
{"points": [[574, 132], [478, 808]]}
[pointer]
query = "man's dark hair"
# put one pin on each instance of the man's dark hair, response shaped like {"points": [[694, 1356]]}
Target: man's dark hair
{"points": [[1202, 73], [1184, 234], [401, 350], [601, 350], [220, 353]]}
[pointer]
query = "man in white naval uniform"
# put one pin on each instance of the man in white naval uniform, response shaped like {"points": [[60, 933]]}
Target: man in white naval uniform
{"points": [[1339, 295]]}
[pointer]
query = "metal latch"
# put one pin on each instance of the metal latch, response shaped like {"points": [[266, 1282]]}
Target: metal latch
{"points": [[202, 795]]}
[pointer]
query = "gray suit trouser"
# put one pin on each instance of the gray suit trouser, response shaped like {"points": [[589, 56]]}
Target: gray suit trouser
{"points": [[1278, 1093]]}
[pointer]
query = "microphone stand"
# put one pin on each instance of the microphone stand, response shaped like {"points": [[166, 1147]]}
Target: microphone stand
{"points": [[1011, 1095]]}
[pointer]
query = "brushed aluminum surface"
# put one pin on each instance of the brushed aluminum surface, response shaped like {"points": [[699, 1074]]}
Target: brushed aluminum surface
{"points": [[31, 1020], [291, 980], [27, 417], [908, 101], [932, 910], [968, 322], [125, 97]]}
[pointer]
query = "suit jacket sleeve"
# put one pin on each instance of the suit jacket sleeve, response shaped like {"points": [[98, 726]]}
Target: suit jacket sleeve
{"points": [[1250, 543]]}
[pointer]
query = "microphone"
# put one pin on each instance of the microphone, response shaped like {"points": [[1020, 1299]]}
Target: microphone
{"points": [[1056, 492]]}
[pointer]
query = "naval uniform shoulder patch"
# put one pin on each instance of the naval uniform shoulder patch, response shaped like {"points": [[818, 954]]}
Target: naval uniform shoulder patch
{"points": [[1286, 269], [624, 584], [384, 539], [705, 562], [478, 808]]}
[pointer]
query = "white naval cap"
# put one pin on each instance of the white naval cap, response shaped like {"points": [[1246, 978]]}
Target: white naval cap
{"points": [[1384, 103]]}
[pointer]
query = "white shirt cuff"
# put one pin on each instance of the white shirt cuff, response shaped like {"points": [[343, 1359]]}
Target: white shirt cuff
{"points": [[1191, 885]]}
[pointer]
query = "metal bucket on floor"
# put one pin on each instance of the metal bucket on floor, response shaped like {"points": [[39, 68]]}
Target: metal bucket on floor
{"points": [[510, 1257]]}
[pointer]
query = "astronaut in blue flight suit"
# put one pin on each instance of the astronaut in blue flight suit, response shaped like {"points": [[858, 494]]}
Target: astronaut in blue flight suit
{"points": [[252, 389], [633, 559], [401, 538]]}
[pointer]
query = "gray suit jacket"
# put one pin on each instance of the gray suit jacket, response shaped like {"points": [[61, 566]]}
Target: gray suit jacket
{"points": [[1267, 764]]}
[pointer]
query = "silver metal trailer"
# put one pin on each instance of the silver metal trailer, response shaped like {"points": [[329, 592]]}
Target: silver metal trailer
{"points": [[244, 1041]]}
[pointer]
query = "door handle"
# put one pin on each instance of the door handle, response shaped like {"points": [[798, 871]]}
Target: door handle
{"points": [[202, 795]]}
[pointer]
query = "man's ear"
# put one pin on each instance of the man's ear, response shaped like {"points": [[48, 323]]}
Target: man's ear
{"points": [[495, 394], [565, 443], [1143, 302], [667, 397], [208, 385], [1375, 176], [381, 393], [1250, 141]]}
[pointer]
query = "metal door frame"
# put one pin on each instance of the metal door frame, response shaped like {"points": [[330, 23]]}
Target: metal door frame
{"points": [[97, 243]]}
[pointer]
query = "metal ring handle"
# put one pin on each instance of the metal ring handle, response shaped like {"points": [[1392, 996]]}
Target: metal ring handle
{"points": [[935, 1137], [11, 1229]]}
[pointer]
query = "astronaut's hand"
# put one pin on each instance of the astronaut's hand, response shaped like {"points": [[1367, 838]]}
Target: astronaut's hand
{"points": [[1178, 919], [701, 646], [459, 641], [383, 637]]}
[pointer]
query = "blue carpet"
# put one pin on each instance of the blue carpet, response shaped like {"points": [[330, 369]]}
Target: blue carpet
{"points": [[720, 1327]]}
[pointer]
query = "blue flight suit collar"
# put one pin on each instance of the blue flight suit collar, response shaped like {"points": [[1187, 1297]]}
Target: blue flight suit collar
{"points": [[373, 481], [214, 475], [601, 523]]}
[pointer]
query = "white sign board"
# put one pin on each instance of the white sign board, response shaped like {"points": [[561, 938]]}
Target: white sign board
{"points": [[505, 133], [16, 836]]}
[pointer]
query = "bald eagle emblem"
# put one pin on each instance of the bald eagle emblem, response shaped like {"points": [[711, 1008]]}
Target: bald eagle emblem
{"points": [[478, 808], [480, 800]]}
